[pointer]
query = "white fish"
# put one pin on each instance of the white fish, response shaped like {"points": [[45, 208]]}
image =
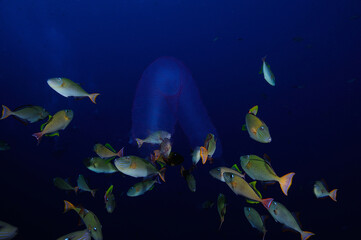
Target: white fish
{"points": [[319, 189], [267, 73]]}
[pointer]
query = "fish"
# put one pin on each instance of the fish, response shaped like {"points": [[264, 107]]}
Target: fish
{"points": [[221, 207], [27, 113], [137, 167], [256, 128], [267, 73], [64, 185], [207, 204], [259, 169], [7, 231], [141, 187], [100, 165], [165, 147], [210, 144], [154, 138], [68, 88], [191, 181], [320, 191], [109, 200], [217, 173], [78, 235], [255, 220], [57, 122], [4, 146], [196, 155], [106, 151], [281, 214], [90, 220], [84, 186], [240, 187]]}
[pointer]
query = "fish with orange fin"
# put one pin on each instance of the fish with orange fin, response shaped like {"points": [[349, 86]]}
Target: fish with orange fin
{"points": [[221, 207], [320, 191], [191, 181], [107, 151], [281, 214], [210, 144], [255, 220], [256, 128], [156, 137], [27, 113], [240, 187], [68, 88], [260, 169], [84, 186], [90, 220]]}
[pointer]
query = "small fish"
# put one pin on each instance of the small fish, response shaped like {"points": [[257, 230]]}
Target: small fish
{"points": [[58, 122], [154, 138], [267, 73], [4, 146], [221, 207], [207, 204], [320, 191], [191, 181], [100, 165], [137, 167], [240, 187], [259, 169], [64, 185], [109, 200], [89, 218], [7, 231], [78, 235], [107, 151], [196, 155], [282, 215], [68, 88], [255, 220], [210, 144], [165, 147], [256, 128], [84, 186], [219, 171], [141, 187], [28, 113]]}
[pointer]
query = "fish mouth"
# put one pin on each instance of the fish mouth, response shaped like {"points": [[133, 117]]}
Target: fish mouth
{"points": [[87, 162]]}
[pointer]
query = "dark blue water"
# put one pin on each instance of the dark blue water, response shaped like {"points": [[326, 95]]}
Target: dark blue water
{"points": [[313, 112]]}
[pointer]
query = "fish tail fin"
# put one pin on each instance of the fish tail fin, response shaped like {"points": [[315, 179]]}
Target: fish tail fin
{"points": [[93, 96], [121, 152], [264, 234], [306, 235], [220, 225], [76, 189], [204, 154], [267, 202], [6, 112], [139, 142], [93, 192], [333, 194], [162, 173], [38, 136], [68, 206], [286, 181]]}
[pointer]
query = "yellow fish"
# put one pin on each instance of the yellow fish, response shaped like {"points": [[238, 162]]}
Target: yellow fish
{"points": [[320, 191], [68, 88], [107, 151], [256, 128], [221, 207]]}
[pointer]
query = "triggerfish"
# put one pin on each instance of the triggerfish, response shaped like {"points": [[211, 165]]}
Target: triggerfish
{"points": [[210, 144], [320, 191], [100, 165], [261, 170], [29, 113], [84, 186], [68, 88], [267, 73], [191, 181], [281, 214], [154, 138], [218, 172], [89, 218], [107, 151], [240, 187], [57, 122], [141, 187], [137, 167], [64, 185], [109, 200], [256, 128], [7, 231], [255, 220], [221, 207], [78, 235]]}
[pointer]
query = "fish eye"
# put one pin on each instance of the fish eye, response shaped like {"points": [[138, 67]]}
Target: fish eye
{"points": [[218, 169], [262, 128], [95, 229]]}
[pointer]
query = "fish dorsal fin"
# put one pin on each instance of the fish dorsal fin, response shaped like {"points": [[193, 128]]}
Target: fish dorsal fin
{"points": [[253, 186], [109, 191], [107, 145], [109, 160], [251, 201], [254, 110], [235, 167], [43, 125], [161, 164], [22, 107], [52, 134], [244, 127]]}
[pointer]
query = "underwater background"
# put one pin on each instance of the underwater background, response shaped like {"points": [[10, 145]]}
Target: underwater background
{"points": [[313, 112]]}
